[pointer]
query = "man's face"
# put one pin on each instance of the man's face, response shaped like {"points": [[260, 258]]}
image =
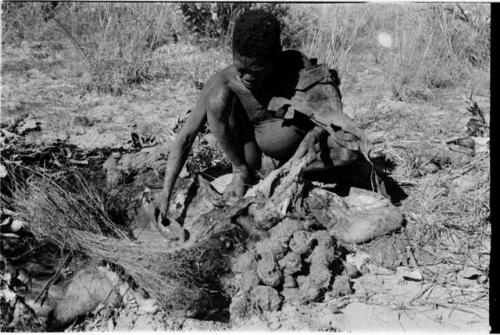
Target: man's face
{"points": [[252, 73]]}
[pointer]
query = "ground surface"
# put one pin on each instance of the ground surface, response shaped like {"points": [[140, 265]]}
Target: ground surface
{"points": [[447, 207]]}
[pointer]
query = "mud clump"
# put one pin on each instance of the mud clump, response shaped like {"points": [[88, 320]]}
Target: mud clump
{"points": [[293, 265]]}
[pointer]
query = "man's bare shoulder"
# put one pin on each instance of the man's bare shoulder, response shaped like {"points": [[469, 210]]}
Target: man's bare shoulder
{"points": [[217, 90]]}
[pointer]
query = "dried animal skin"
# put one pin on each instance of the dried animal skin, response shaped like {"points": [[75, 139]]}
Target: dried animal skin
{"points": [[269, 271]]}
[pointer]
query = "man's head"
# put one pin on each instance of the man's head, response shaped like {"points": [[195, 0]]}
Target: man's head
{"points": [[256, 46]]}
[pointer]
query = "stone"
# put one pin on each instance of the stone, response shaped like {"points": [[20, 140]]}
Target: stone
{"points": [[308, 288], [284, 230], [300, 242], [293, 296], [341, 286], [271, 246], [291, 263], [266, 298], [321, 238], [321, 256], [243, 262], [289, 282], [269, 271]]}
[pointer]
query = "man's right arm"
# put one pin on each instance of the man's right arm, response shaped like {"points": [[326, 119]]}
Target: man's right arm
{"points": [[179, 151]]}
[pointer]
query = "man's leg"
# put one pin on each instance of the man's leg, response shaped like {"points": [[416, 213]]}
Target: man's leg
{"points": [[243, 152]]}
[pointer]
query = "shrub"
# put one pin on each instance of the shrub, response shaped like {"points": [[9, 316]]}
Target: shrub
{"points": [[215, 21]]}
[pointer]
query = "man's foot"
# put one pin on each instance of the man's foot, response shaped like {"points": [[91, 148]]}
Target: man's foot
{"points": [[238, 186]]}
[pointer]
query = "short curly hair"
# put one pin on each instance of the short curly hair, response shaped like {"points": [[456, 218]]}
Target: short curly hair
{"points": [[257, 34]]}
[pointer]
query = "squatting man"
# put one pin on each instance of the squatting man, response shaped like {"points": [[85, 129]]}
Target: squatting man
{"points": [[236, 103]]}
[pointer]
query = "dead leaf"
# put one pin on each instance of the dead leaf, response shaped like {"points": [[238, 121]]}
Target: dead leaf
{"points": [[470, 273]]}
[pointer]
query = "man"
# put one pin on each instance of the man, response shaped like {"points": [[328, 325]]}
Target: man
{"points": [[266, 103]]}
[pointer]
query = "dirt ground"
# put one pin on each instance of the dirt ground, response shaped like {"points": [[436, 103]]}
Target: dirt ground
{"points": [[446, 208]]}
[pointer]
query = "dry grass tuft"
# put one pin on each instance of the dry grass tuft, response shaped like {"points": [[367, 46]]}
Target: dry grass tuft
{"points": [[75, 219]]}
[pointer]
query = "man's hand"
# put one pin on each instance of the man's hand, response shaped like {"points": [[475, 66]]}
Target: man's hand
{"points": [[161, 205]]}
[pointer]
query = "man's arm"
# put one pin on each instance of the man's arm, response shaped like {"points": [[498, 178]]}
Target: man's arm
{"points": [[178, 153]]}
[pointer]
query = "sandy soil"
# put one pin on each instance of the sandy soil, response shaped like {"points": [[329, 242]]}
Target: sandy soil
{"points": [[446, 211]]}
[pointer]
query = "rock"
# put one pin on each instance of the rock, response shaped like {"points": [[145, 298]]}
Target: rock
{"points": [[240, 306], [321, 256], [269, 271], [481, 144], [289, 282], [321, 276], [291, 263], [465, 183], [284, 230], [293, 296], [88, 289], [387, 251], [27, 126], [300, 242], [321, 238], [466, 142], [149, 306], [308, 288], [16, 225], [83, 121], [249, 280], [266, 298], [230, 284], [370, 215], [243, 262], [271, 246], [431, 168], [341, 286]]}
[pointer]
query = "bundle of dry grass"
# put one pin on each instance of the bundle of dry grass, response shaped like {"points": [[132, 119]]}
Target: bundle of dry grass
{"points": [[75, 219]]}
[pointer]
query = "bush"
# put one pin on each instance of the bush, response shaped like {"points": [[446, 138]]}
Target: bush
{"points": [[117, 40], [215, 21]]}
